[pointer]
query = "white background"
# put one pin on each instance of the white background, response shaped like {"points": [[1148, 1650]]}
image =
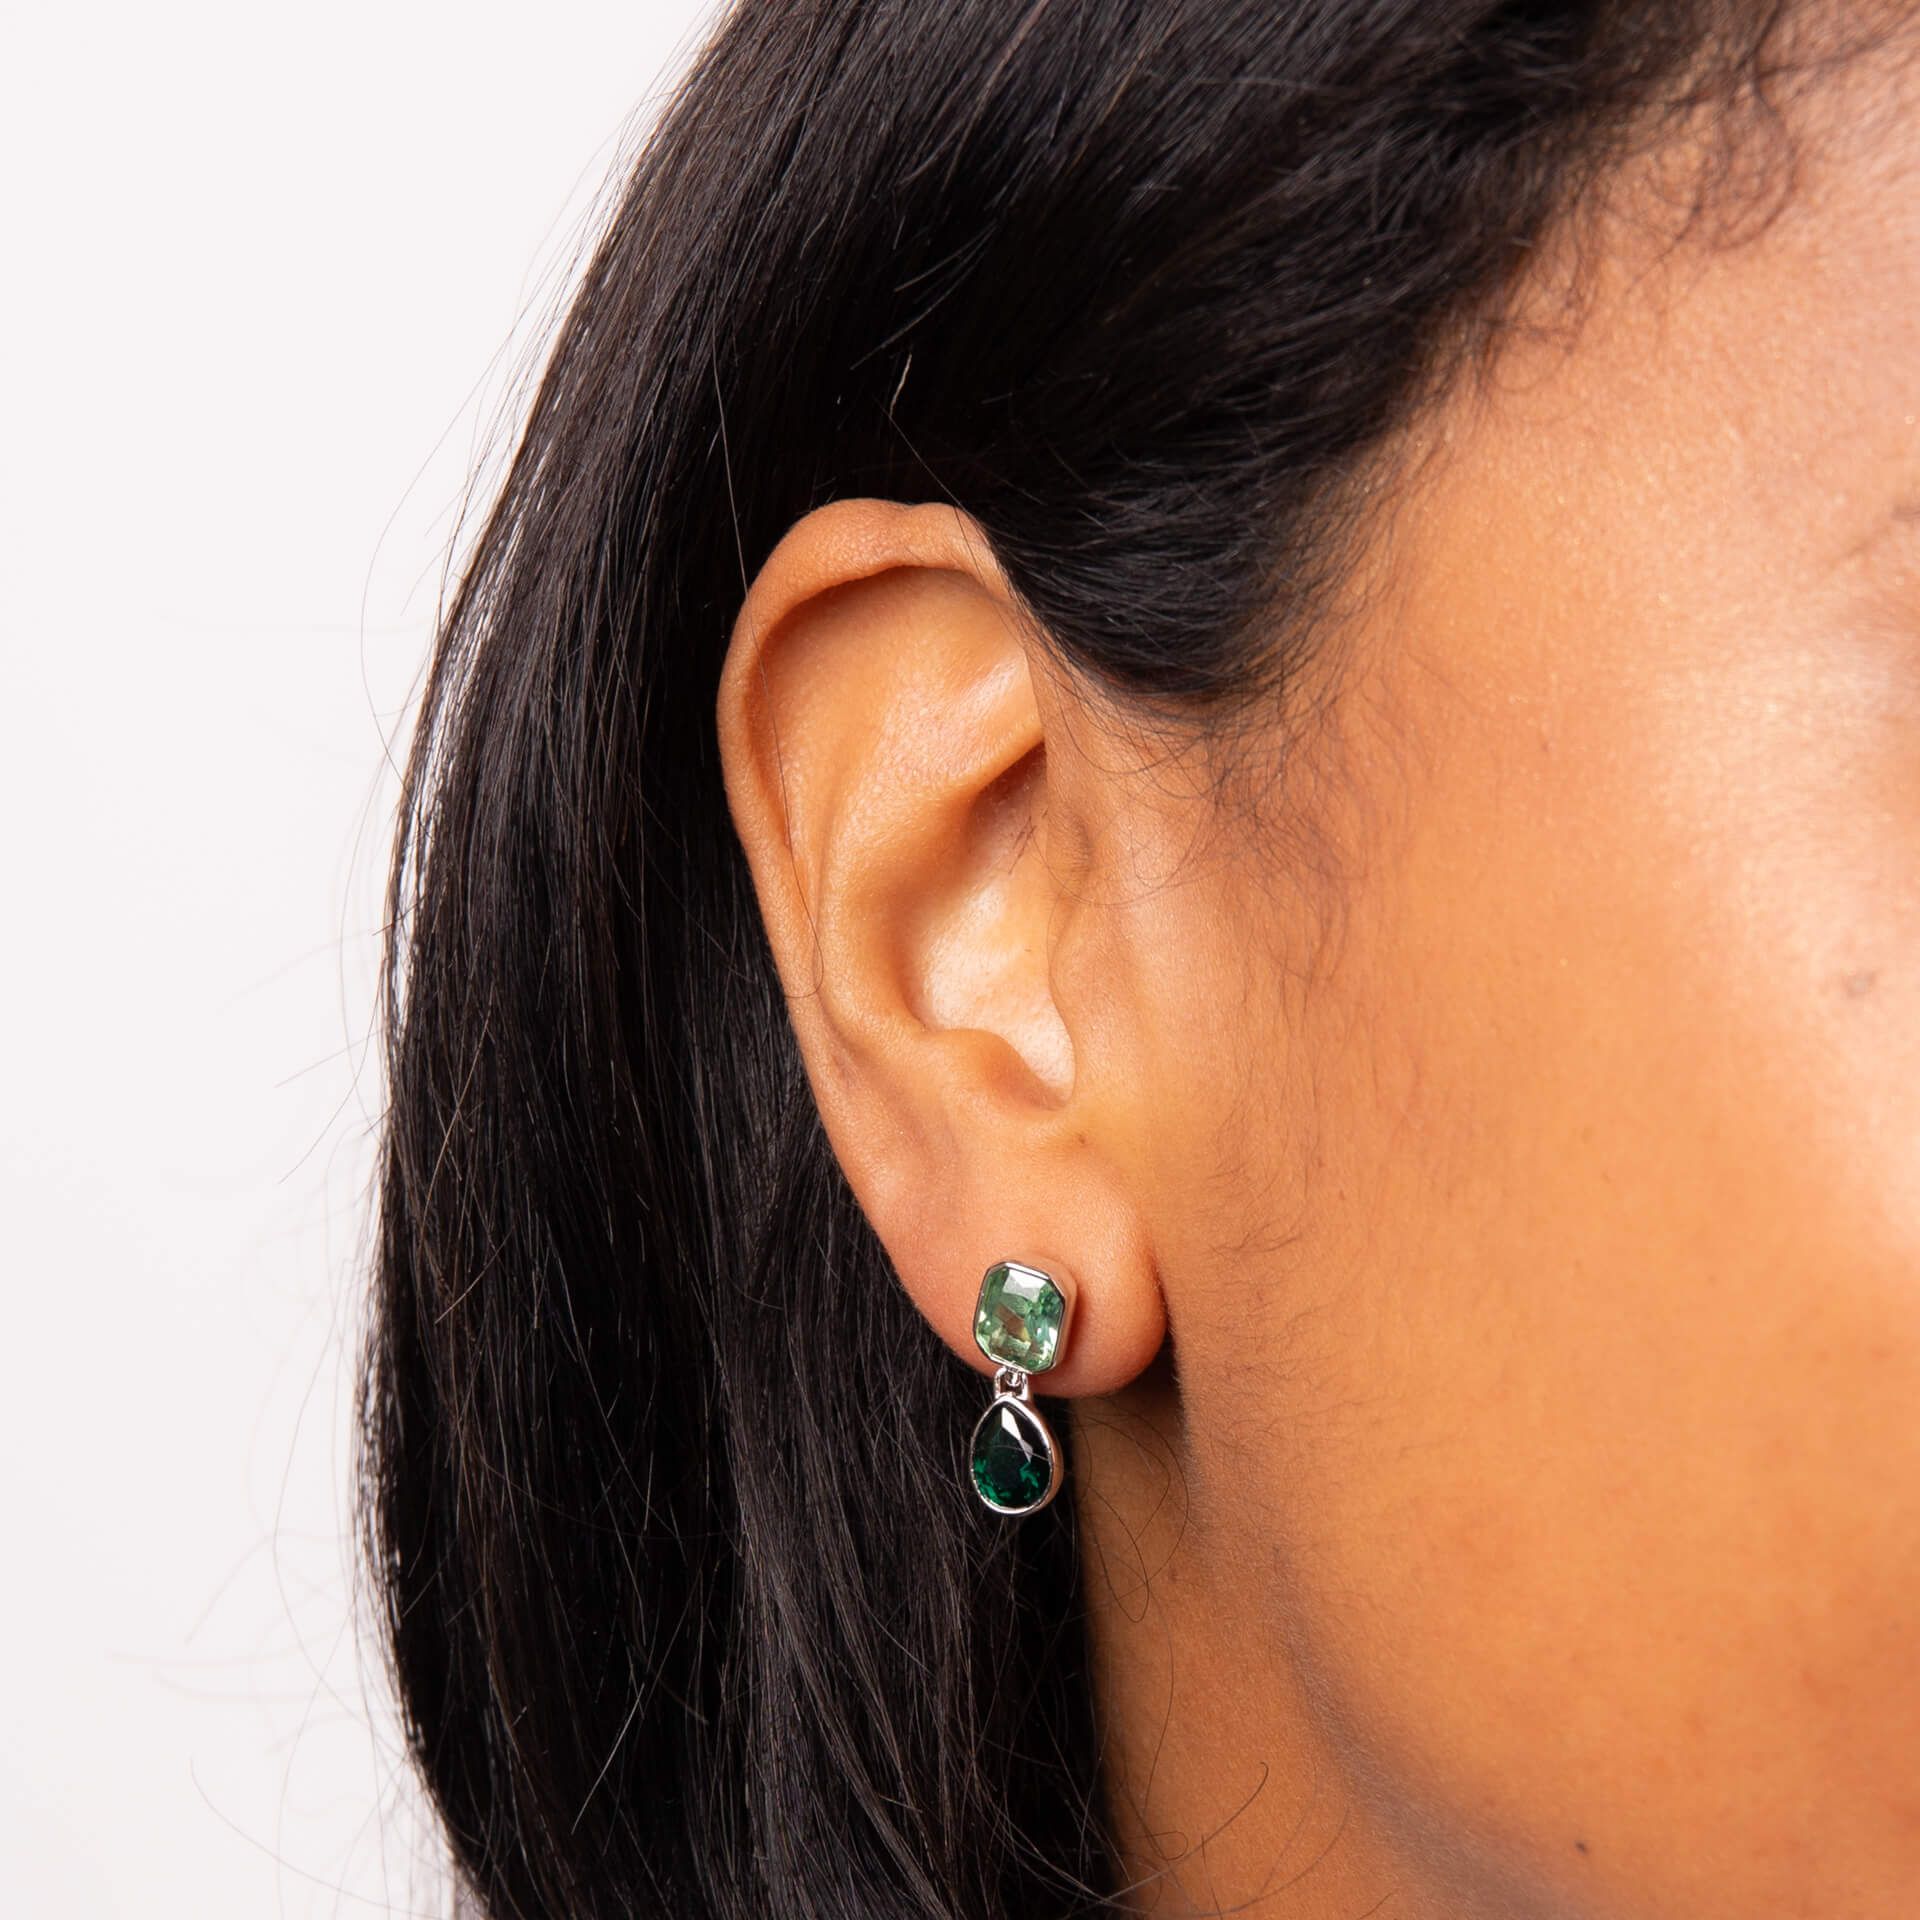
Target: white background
{"points": [[271, 276]]}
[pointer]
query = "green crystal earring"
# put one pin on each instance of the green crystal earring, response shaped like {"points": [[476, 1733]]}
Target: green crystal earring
{"points": [[1020, 1324]]}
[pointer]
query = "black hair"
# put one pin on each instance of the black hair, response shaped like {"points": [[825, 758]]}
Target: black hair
{"points": [[689, 1609]]}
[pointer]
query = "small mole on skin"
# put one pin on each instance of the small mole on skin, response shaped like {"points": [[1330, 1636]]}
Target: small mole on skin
{"points": [[1581, 1844], [1858, 983]]}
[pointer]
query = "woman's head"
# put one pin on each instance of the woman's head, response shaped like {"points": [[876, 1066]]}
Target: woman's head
{"points": [[1267, 655]]}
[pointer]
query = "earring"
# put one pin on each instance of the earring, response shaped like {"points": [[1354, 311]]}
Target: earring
{"points": [[1020, 1324]]}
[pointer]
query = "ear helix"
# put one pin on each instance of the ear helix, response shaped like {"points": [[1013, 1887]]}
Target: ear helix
{"points": [[1020, 1324]]}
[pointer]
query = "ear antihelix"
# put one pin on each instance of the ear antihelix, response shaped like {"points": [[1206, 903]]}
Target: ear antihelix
{"points": [[1019, 1323]]}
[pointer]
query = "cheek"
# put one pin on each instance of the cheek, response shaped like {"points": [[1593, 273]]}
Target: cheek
{"points": [[1595, 1404]]}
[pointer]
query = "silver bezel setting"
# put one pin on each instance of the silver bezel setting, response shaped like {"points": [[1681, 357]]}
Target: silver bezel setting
{"points": [[1014, 1384], [1066, 1314]]}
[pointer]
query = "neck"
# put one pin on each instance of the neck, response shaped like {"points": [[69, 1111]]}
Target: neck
{"points": [[1223, 1782]]}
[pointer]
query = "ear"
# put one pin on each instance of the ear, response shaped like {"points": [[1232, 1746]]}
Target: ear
{"points": [[889, 765]]}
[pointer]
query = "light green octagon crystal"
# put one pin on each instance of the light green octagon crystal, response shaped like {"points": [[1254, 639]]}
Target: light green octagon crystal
{"points": [[1019, 1318]]}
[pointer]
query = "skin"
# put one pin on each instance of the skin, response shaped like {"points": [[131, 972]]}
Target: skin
{"points": [[1483, 1140]]}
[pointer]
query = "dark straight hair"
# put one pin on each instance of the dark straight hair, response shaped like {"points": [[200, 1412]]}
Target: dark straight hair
{"points": [[689, 1610]]}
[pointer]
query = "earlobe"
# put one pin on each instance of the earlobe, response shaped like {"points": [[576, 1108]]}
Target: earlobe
{"points": [[886, 764]]}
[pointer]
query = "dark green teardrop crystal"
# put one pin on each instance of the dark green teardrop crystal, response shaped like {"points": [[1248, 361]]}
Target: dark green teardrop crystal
{"points": [[1012, 1457]]}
